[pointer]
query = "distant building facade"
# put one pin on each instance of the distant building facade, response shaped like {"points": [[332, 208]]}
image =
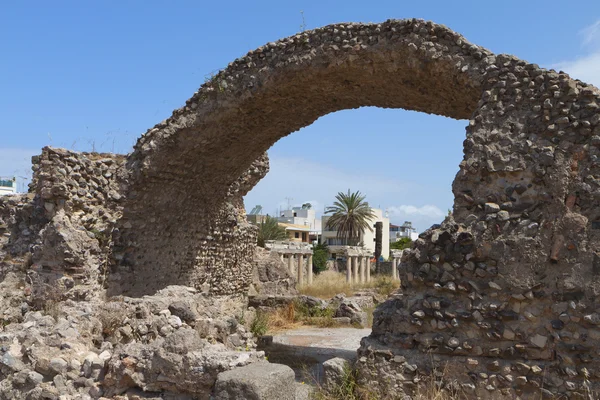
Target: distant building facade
{"points": [[367, 237], [8, 186], [405, 230], [297, 233], [302, 216]]}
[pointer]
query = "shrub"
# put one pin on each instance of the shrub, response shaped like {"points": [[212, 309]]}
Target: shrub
{"points": [[260, 324], [320, 256], [401, 244]]}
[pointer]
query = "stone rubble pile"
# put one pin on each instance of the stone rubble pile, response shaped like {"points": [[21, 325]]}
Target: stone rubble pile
{"points": [[175, 342]]}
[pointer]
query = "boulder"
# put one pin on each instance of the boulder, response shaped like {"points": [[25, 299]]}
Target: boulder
{"points": [[334, 371], [348, 308], [271, 276], [260, 381]]}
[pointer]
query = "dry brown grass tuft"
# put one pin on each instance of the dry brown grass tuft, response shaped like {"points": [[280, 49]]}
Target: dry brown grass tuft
{"points": [[283, 319]]}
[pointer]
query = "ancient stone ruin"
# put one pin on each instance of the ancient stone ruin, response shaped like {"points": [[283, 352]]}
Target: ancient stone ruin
{"points": [[501, 296]]}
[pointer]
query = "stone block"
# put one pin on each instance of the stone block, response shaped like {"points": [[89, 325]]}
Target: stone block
{"points": [[259, 381], [333, 372]]}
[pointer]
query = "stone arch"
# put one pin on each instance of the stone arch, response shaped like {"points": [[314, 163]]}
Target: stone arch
{"points": [[183, 221], [187, 175]]}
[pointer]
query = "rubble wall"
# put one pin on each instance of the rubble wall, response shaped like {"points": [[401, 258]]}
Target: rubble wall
{"points": [[486, 291], [181, 211], [506, 290], [66, 222]]}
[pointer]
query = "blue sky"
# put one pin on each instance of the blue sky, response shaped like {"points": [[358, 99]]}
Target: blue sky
{"points": [[96, 74]]}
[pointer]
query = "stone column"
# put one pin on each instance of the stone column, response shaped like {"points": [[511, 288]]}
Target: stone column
{"points": [[291, 264], [281, 257], [300, 269], [361, 261], [368, 268], [355, 265], [310, 269], [349, 269], [394, 268]]}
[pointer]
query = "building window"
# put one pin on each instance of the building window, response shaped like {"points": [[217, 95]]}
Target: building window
{"points": [[297, 235]]}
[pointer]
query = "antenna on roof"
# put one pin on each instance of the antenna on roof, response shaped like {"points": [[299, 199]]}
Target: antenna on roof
{"points": [[289, 202]]}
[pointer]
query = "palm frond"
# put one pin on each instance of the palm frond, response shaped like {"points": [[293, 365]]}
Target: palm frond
{"points": [[269, 229], [350, 215]]}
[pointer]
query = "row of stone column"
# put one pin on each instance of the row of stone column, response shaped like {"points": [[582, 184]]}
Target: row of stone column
{"points": [[358, 269], [298, 267]]}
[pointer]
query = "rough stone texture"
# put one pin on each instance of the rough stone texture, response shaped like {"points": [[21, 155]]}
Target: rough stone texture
{"points": [[347, 308], [263, 381], [64, 226], [124, 347], [191, 203], [334, 372], [271, 276], [506, 289]]}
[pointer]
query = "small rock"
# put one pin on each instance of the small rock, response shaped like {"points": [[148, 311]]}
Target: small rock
{"points": [[58, 365], [491, 208], [538, 340]]}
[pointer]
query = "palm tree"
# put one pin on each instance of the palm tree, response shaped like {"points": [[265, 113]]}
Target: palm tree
{"points": [[269, 229], [351, 215]]}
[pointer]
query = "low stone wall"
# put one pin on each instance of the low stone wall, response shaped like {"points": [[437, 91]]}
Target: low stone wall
{"points": [[66, 223]]}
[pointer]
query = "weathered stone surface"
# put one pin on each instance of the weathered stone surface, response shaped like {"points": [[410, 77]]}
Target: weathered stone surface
{"points": [[345, 308], [271, 276], [335, 371], [264, 381], [483, 285]]}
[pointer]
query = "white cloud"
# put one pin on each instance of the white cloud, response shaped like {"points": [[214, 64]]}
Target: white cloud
{"points": [[423, 211], [309, 182], [17, 162], [591, 34], [422, 217], [587, 66]]}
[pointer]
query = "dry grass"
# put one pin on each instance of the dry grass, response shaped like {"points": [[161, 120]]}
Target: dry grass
{"points": [[294, 315], [329, 283], [283, 319], [326, 285]]}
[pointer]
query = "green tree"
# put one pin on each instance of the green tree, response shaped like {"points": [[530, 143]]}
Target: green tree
{"points": [[350, 215], [269, 229], [401, 244], [320, 256]]}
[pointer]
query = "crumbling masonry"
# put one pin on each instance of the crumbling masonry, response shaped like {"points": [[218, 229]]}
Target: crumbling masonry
{"points": [[505, 290]]}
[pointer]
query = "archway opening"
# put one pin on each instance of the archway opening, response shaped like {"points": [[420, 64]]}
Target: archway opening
{"points": [[403, 161], [187, 175]]}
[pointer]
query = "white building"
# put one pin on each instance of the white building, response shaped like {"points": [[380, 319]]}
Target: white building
{"points": [[405, 230], [302, 216], [367, 237], [8, 185]]}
